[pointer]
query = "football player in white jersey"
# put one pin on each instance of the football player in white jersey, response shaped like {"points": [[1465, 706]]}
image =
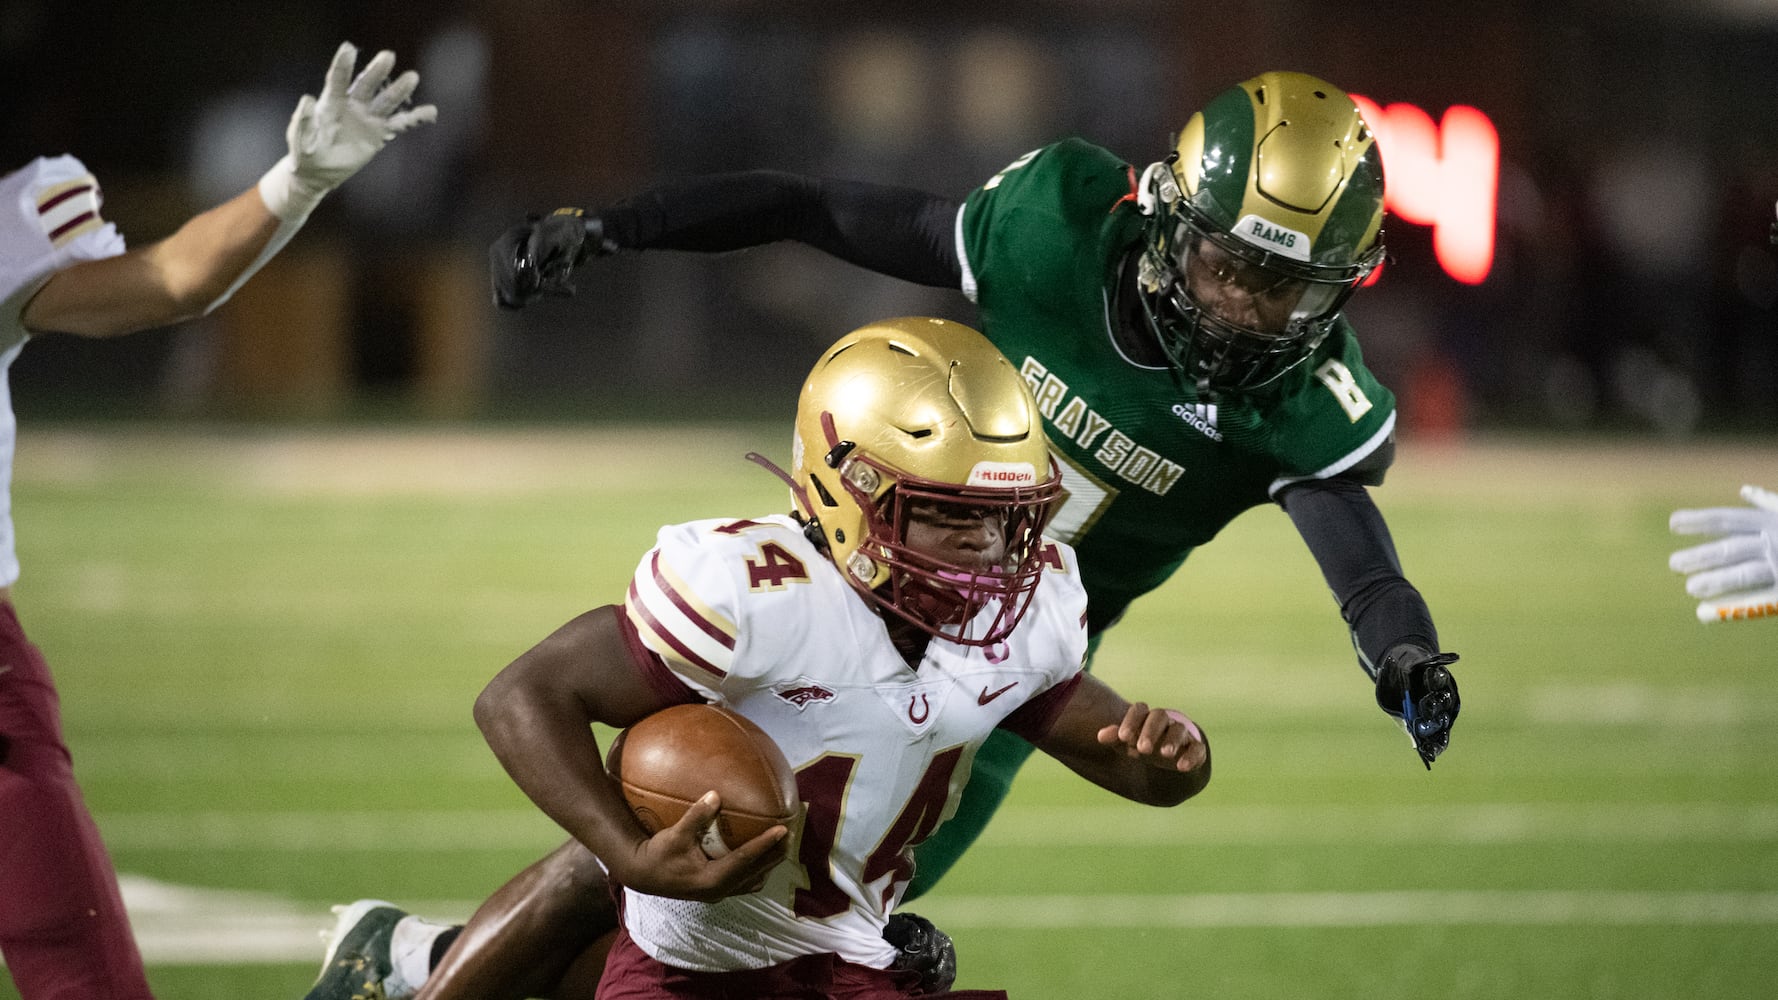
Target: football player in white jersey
{"points": [[908, 608], [64, 269]]}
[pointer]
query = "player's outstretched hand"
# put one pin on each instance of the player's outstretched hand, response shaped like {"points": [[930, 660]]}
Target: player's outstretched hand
{"points": [[1160, 737], [538, 258], [1736, 575], [672, 863], [333, 136], [1416, 687]]}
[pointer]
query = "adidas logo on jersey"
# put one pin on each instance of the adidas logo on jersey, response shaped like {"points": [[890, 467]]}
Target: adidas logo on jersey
{"points": [[1201, 417]]}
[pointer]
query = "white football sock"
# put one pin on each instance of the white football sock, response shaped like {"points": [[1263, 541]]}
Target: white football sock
{"points": [[410, 956]]}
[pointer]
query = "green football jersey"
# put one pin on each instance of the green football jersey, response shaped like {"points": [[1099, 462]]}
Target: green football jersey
{"points": [[1151, 470]]}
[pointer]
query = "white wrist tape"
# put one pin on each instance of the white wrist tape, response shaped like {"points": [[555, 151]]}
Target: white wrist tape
{"points": [[287, 195]]}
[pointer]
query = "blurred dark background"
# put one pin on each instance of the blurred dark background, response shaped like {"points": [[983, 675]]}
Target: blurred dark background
{"points": [[1631, 290]]}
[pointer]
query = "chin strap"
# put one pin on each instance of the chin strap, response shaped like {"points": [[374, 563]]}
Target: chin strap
{"points": [[798, 493]]}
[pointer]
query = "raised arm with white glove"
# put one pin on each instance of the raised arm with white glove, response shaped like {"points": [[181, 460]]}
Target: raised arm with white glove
{"points": [[1737, 575], [197, 268], [331, 138]]}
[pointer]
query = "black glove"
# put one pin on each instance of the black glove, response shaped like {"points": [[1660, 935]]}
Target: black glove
{"points": [[1414, 686], [539, 257], [924, 949]]}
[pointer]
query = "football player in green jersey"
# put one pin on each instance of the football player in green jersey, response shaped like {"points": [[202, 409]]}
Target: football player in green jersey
{"points": [[1180, 327]]}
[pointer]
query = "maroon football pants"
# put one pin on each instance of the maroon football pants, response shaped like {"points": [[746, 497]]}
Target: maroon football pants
{"points": [[630, 974], [63, 930]]}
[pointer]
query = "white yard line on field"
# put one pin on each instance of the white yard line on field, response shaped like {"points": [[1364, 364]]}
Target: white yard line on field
{"points": [[1016, 826], [177, 924], [185, 925], [393, 461], [1486, 471], [1487, 823], [1356, 909]]}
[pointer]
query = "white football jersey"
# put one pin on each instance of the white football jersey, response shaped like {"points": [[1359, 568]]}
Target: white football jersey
{"points": [[752, 616], [49, 219]]}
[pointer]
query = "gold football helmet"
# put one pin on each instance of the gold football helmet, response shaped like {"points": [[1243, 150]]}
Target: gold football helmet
{"points": [[1262, 222], [923, 411]]}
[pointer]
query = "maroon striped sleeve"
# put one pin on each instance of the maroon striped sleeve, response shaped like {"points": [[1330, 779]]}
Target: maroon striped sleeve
{"points": [[74, 223], [653, 670], [669, 638], [708, 627], [44, 207]]}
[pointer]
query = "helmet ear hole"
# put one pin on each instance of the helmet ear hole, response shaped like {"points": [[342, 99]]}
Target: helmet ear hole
{"points": [[827, 499]]}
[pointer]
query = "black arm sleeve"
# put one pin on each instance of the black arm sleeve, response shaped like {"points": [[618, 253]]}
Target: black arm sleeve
{"points": [[1345, 531], [896, 231]]}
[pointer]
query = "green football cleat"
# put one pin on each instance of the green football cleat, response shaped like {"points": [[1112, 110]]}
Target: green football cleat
{"points": [[357, 959]]}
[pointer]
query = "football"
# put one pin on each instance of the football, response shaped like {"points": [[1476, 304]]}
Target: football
{"points": [[670, 759]]}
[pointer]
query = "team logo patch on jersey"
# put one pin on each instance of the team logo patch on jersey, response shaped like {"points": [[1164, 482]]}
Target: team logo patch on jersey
{"points": [[918, 706], [1273, 237], [802, 693], [68, 209]]}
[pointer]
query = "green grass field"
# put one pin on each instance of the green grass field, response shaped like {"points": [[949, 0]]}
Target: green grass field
{"points": [[268, 643]]}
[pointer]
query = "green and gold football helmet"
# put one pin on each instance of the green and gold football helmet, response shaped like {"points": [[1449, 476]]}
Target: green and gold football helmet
{"points": [[921, 411], [1262, 222]]}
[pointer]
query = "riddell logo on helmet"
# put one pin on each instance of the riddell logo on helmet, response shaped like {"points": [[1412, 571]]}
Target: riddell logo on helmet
{"points": [[1002, 474], [1261, 233]]}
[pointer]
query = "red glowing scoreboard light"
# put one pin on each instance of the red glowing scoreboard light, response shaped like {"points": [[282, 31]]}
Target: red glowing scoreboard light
{"points": [[1444, 175]]}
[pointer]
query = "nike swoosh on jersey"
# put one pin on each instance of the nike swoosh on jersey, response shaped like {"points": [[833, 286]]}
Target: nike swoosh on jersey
{"points": [[985, 697]]}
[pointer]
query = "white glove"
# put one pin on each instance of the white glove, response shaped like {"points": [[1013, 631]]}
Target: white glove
{"points": [[1740, 569], [331, 137]]}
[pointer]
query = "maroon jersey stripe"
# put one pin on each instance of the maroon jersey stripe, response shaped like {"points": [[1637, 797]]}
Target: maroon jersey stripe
{"points": [[43, 209], [679, 647], [79, 220], [708, 627], [653, 669]]}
